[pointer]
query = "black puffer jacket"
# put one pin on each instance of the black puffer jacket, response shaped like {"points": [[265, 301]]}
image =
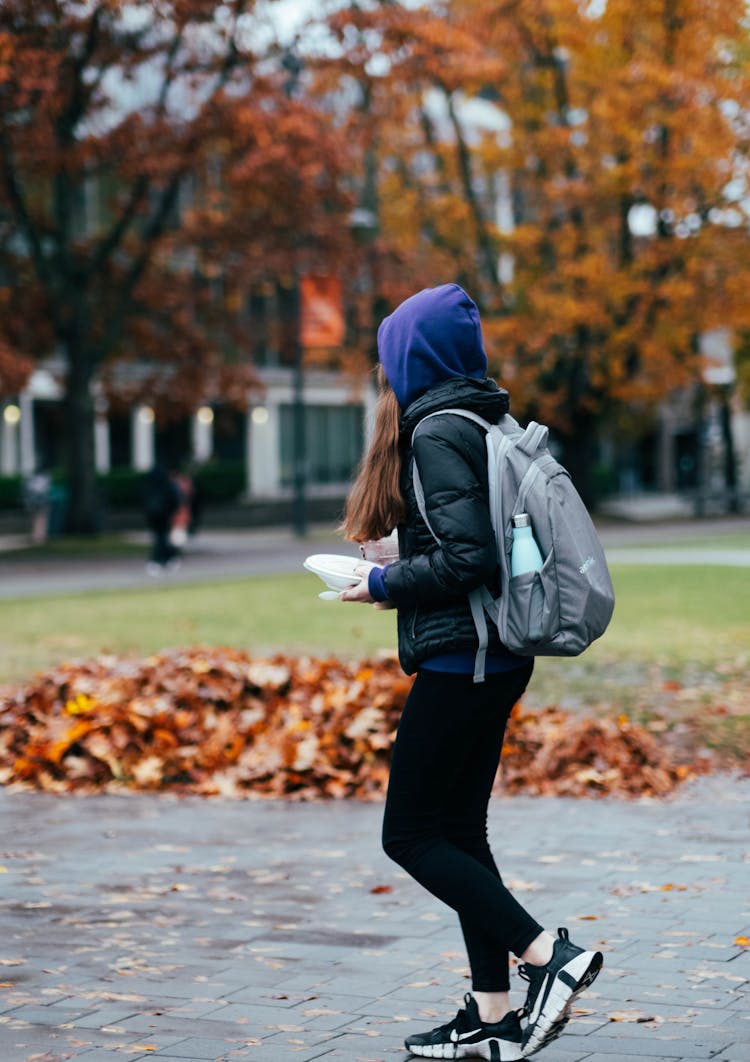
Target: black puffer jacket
{"points": [[430, 583]]}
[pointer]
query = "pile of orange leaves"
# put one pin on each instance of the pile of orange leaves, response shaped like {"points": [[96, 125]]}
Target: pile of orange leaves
{"points": [[219, 722]]}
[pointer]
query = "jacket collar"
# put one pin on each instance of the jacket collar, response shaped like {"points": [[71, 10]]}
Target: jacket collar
{"points": [[480, 396]]}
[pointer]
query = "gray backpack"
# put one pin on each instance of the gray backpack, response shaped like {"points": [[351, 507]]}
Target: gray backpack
{"points": [[562, 609]]}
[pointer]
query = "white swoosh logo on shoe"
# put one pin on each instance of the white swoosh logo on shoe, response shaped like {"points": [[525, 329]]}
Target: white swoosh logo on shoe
{"points": [[538, 1001], [455, 1037]]}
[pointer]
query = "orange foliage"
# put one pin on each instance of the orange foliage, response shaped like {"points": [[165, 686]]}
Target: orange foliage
{"points": [[139, 168], [217, 721], [154, 167], [533, 134], [584, 121]]}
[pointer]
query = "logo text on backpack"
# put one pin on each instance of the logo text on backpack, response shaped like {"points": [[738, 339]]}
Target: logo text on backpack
{"points": [[588, 563]]}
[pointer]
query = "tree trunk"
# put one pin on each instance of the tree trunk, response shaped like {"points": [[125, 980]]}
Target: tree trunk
{"points": [[578, 453], [83, 515]]}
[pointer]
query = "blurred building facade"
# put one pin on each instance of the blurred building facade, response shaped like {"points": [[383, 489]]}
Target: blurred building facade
{"points": [[697, 446], [258, 440]]}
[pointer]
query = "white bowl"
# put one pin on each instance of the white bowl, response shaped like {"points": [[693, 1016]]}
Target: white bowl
{"points": [[337, 571]]}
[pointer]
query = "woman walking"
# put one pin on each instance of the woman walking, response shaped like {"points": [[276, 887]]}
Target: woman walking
{"points": [[451, 732]]}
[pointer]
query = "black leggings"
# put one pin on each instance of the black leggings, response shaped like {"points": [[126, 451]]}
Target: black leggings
{"points": [[444, 762]]}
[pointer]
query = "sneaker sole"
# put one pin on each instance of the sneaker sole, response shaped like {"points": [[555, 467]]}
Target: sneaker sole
{"points": [[492, 1049], [580, 973]]}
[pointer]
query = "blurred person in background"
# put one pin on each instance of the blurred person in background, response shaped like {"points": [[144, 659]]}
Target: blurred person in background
{"points": [[37, 497], [182, 518], [161, 501]]}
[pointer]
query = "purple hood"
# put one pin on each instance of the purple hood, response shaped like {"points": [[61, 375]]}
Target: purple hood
{"points": [[431, 337]]}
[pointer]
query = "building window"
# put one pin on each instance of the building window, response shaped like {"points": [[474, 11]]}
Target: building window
{"points": [[229, 433], [173, 442], [120, 440], [50, 433], [334, 436]]}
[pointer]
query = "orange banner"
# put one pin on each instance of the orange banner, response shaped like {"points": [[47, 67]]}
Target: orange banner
{"points": [[322, 312]]}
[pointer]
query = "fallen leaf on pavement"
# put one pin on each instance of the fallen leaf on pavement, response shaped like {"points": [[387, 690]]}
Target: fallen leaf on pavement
{"points": [[631, 1015]]}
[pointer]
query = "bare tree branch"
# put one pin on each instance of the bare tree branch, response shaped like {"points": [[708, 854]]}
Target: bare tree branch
{"points": [[487, 251], [80, 92], [169, 71], [141, 185], [157, 223], [432, 142], [23, 216], [109, 244]]}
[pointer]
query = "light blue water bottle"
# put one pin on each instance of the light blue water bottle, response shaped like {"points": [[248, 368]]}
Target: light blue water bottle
{"points": [[525, 555]]}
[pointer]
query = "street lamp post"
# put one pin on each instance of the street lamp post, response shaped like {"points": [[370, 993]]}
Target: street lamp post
{"points": [[293, 66], [299, 477]]}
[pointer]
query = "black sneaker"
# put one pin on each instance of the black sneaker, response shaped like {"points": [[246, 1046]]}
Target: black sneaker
{"points": [[467, 1036], [553, 989]]}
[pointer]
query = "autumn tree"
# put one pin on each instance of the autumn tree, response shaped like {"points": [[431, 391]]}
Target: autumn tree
{"points": [[152, 169], [599, 217], [630, 238], [402, 74]]}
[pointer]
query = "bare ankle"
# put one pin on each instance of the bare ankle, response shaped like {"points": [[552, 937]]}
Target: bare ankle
{"points": [[539, 952], [492, 1006]]}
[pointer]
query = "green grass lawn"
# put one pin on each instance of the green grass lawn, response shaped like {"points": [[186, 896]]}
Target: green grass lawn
{"points": [[723, 540], [262, 615], [679, 614], [676, 617]]}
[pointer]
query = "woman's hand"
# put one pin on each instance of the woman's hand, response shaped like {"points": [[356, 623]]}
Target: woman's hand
{"points": [[360, 592]]}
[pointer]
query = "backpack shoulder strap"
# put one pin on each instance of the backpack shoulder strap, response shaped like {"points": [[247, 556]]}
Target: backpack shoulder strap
{"points": [[419, 495], [416, 480]]}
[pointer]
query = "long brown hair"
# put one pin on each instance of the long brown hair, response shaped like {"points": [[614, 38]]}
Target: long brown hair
{"points": [[375, 505]]}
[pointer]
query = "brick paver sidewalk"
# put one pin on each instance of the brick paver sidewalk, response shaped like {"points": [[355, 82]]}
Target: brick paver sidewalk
{"points": [[141, 927]]}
